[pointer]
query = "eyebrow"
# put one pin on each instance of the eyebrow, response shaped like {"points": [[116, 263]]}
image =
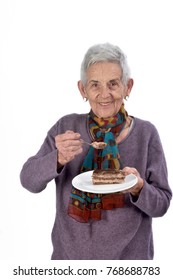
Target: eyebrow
{"points": [[93, 81], [116, 79], [112, 80]]}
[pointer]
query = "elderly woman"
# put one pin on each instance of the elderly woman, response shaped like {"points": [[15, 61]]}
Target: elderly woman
{"points": [[115, 226]]}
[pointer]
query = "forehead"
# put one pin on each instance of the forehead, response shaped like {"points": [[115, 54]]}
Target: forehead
{"points": [[104, 71]]}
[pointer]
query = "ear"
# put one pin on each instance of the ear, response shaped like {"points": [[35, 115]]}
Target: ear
{"points": [[82, 89], [129, 86]]}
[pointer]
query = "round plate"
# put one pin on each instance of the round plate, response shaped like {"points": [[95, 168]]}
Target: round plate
{"points": [[84, 183]]}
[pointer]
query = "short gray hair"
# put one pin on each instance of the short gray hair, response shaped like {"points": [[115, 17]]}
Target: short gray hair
{"points": [[105, 53]]}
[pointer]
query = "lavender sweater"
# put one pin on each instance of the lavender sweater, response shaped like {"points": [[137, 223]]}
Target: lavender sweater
{"points": [[123, 233]]}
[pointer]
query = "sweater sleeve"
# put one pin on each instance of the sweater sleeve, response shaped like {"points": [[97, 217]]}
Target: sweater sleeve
{"points": [[40, 169], [155, 196]]}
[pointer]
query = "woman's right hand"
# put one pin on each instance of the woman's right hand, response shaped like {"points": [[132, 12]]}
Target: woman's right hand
{"points": [[68, 145]]}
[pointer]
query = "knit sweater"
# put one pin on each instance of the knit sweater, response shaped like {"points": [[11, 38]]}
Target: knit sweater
{"points": [[122, 233]]}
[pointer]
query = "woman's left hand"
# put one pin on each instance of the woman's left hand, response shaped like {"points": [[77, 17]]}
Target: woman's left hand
{"points": [[135, 190]]}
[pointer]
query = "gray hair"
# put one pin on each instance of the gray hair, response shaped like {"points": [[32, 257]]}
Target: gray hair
{"points": [[105, 53]]}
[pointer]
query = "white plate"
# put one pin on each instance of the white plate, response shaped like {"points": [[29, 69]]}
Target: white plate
{"points": [[84, 183]]}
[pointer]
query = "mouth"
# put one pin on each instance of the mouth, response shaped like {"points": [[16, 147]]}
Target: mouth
{"points": [[105, 103]]}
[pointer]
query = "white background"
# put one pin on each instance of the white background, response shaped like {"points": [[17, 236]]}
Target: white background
{"points": [[42, 44]]}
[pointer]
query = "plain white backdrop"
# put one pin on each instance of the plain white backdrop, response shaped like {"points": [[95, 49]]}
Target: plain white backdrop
{"points": [[42, 44]]}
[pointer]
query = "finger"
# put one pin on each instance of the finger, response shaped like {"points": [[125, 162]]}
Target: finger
{"points": [[67, 136], [72, 144], [128, 170], [72, 151], [78, 151], [65, 157], [70, 133], [68, 145]]}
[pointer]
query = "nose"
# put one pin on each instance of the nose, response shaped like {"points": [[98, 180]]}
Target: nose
{"points": [[105, 91]]}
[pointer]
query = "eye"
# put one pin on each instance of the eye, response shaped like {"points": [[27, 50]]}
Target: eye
{"points": [[113, 84], [95, 85]]}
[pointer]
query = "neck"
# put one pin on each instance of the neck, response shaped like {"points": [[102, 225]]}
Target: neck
{"points": [[125, 130]]}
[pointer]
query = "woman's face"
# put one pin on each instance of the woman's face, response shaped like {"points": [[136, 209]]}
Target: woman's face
{"points": [[104, 89]]}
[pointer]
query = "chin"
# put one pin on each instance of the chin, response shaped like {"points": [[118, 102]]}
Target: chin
{"points": [[105, 116], [106, 111]]}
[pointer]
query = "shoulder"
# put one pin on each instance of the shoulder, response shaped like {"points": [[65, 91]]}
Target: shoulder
{"points": [[144, 125], [74, 122], [145, 130]]}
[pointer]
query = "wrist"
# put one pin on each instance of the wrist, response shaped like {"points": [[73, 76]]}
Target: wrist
{"points": [[139, 187]]}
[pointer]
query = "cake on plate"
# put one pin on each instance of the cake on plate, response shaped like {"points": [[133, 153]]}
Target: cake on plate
{"points": [[107, 176]]}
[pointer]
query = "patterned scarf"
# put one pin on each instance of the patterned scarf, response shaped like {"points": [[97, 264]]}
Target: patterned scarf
{"points": [[82, 205]]}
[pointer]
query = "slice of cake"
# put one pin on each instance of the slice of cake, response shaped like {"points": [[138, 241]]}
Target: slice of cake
{"points": [[110, 176]]}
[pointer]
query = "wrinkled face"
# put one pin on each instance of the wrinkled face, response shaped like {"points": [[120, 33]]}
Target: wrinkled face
{"points": [[104, 89]]}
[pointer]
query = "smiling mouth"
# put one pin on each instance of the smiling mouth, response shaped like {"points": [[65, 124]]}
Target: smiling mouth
{"points": [[105, 103]]}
